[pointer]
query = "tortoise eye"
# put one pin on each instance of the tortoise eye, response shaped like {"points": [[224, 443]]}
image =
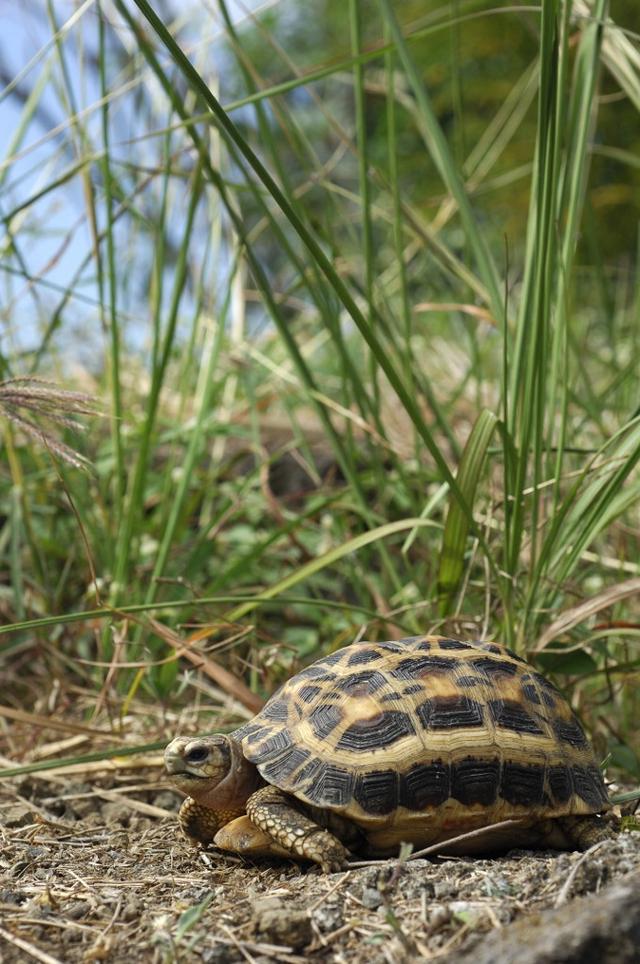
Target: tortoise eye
{"points": [[198, 754]]}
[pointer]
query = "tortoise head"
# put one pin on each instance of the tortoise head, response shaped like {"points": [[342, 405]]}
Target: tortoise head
{"points": [[211, 769]]}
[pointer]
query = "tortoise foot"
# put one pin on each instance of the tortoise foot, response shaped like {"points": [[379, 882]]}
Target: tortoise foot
{"points": [[272, 812]]}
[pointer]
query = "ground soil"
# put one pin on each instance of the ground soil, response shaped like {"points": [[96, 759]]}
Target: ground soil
{"points": [[97, 871]]}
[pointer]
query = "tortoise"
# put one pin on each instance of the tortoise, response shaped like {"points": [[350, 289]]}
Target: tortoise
{"points": [[417, 740]]}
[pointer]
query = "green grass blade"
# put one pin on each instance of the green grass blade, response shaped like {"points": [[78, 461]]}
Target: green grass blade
{"points": [[114, 753], [437, 146], [135, 495], [456, 528]]}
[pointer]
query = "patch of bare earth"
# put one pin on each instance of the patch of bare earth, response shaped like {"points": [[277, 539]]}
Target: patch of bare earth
{"points": [[92, 873]]}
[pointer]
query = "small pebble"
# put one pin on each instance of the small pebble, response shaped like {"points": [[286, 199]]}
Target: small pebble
{"points": [[438, 917], [167, 800], [371, 898], [78, 910], [284, 925], [17, 815]]}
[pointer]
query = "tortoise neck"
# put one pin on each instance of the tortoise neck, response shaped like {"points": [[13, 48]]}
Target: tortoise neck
{"points": [[240, 782]]}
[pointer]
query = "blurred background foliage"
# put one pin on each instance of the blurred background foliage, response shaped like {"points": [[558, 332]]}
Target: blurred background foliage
{"points": [[403, 253]]}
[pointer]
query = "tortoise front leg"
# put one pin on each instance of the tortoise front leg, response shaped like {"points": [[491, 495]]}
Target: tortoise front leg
{"points": [[270, 809], [241, 836], [200, 824]]}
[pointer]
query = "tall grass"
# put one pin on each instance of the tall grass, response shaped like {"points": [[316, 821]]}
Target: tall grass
{"points": [[290, 253]]}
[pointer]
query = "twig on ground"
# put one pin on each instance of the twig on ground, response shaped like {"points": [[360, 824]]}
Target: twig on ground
{"points": [[563, 896], [435, 848], [28, 948]]}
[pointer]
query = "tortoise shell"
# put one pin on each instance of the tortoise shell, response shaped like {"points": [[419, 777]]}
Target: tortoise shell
{"points": [[387, 734]]}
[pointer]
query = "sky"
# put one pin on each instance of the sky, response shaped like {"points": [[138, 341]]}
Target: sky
{"points": [[46, 243]]}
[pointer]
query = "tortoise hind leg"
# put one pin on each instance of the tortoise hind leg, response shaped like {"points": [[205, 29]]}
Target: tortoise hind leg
{"points": [[583, 832], [271, 811]]}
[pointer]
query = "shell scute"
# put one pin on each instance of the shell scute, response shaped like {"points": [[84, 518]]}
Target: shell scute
{"points": [[425, 785], [510, 715], [550, 694], [377, 792], [493, 667], [450, 712], [570, 731], [475, 781], [308, 693], [366, 681], [587, 782], [363, 656], [378, 731], [275, 745], [277, 710], [560, 783], [523, 784], [324, 719], [456, 644], [282, 766], [418, 666], [332, 786]]}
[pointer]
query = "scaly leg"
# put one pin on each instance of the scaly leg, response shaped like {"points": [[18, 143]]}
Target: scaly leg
{"points": [[586, 831], [271, 810], [200, 824]]}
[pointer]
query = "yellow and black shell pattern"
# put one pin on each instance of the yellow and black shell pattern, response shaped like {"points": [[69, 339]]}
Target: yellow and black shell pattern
{"points": [[425, 728]]}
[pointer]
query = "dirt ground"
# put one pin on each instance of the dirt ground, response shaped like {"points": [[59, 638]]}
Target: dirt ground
{"points": [[98, 872]]}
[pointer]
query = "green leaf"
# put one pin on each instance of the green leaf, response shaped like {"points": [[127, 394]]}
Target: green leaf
{"points": [[573, 663], [191, 917]]}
